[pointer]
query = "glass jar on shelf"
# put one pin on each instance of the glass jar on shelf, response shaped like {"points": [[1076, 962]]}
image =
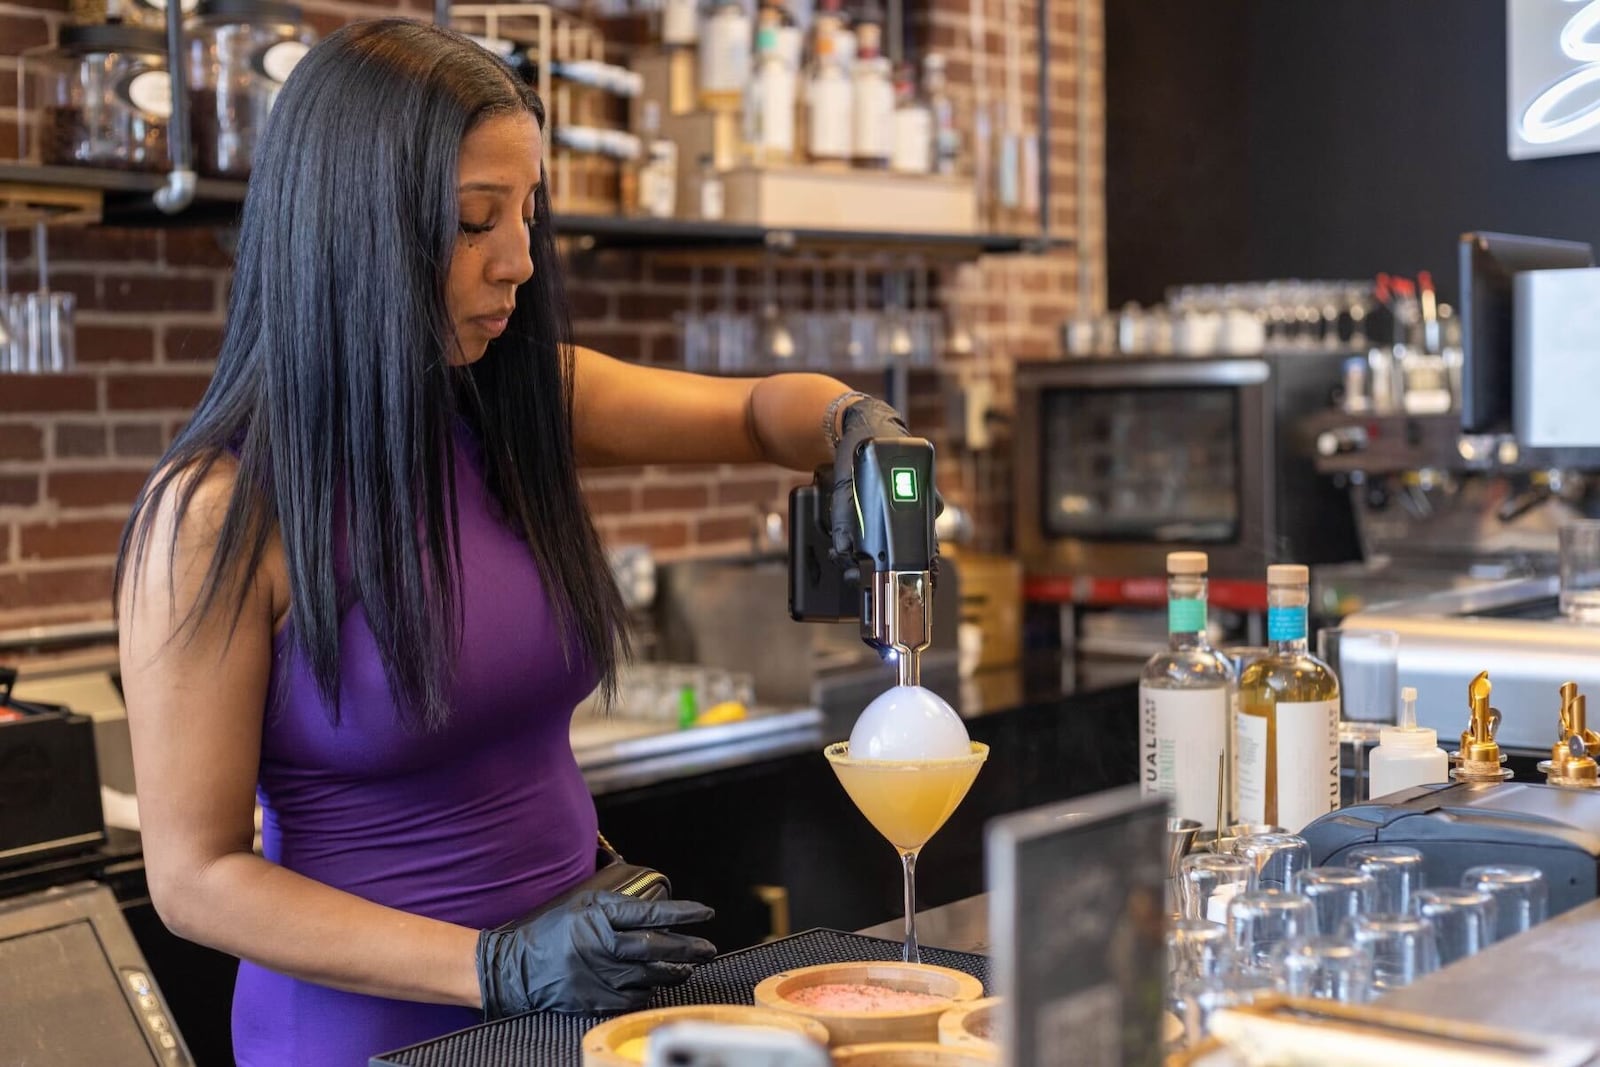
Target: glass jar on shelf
{"points": [[102, 98], [240, 54]]}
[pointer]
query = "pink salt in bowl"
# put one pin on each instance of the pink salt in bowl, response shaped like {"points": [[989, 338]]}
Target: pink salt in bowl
{"points": [[870, 1002]]}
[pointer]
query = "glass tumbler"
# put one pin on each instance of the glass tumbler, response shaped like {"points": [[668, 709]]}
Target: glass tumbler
{"points": [[1396, 869], [1521, 898], [1227, 842], [1207, 882], [1323, 968], [1580, 572], [1196, 948], [1463, 920], [1274, 859], [1260, 921], [1199, 999], [1368, 665], [1403, 947], [1336, 894]]}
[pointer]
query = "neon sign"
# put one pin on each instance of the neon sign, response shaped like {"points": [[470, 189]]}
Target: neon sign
{"points": [[1553, 77]]}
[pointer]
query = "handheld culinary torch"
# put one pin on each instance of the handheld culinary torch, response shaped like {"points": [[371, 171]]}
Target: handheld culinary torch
{"points": [[885, 579]]}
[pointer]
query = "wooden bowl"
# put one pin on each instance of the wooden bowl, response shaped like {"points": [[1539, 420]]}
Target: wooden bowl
{"points": [[602, 1043], [864, 1027], [913, 1054], [956, 1025]]}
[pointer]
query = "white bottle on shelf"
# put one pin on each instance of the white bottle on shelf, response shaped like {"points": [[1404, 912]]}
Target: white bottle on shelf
{"points": [[769, 104], [680, 23], [725, 56], [1407, 755], [872, 90], [913, 129], [828, 99]]}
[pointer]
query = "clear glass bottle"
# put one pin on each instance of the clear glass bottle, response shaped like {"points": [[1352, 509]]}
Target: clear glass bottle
{"points": [[1286, 735], [1186, 704], [655, 181], [872, 94], [828, 97], [946, 134], [712, 197]]}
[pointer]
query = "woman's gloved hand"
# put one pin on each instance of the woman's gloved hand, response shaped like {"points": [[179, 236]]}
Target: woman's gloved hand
{"points": [[593, 952], [864, 420]]}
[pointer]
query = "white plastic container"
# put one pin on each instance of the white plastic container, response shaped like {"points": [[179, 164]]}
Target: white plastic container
{"points": [[1407, 755]]}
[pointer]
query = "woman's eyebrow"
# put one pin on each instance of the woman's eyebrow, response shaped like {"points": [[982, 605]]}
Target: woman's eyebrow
{"points": [[492, 187]]}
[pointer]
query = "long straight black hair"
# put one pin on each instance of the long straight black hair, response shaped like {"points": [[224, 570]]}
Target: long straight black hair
{"points": [[334, 390]]}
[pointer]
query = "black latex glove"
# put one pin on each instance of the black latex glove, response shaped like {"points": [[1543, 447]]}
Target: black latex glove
{"points": [[863, 421], [595, 952]]}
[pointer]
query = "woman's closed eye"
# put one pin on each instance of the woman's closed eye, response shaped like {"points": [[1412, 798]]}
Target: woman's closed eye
{"points": [[477, 229]]}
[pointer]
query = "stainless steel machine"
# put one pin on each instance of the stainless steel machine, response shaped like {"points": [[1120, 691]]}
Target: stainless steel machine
{"points": [[1459, 511], [1474, 491]]}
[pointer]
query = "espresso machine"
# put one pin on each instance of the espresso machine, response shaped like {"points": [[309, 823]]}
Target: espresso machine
{"points": [[1459, 503], [885, 577]]}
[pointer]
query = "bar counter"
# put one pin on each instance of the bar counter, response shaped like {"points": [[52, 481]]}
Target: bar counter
{"points": [[759, 827], [1542, 982]]}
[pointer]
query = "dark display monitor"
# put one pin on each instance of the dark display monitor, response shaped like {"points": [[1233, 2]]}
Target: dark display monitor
{"points": [[74, 988], [1487, 262]]}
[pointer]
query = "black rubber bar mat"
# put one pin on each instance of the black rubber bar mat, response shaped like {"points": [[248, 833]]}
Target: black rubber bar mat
{"points": [[547, 1039]]}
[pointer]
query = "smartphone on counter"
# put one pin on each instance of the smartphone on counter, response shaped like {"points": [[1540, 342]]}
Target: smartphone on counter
{"points": [[716, 1045]]}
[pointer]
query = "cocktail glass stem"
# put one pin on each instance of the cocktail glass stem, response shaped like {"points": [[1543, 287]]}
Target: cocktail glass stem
{"points": [[908, 860]]}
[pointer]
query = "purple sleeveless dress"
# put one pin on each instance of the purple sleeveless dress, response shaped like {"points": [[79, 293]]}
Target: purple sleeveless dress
{"points": [[476, 825]]}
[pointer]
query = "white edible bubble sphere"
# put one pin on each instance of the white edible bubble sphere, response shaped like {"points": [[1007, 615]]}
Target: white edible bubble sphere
{"points": [[909, 722]]}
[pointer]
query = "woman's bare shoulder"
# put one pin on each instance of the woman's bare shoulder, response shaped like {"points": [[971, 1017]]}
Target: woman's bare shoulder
{"points": [[185, 511]]}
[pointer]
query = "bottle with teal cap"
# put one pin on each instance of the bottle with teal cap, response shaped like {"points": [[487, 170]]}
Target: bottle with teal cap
{"points": [[1286, 735], [1185, 703]]}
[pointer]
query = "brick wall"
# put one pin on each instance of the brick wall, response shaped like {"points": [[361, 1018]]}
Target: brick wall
{"points": [[74, 448]]}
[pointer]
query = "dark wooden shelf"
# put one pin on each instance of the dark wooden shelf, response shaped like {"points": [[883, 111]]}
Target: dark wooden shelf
{"points": [[604, 231], [127, 201], [127, 196]]}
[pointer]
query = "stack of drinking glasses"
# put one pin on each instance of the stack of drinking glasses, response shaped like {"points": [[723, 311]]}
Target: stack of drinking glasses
{"points": [[849, 331], [36, 331], [1257, 918]]}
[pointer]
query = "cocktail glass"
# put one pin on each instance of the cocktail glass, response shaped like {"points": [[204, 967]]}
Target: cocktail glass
{"points": [[907, 801]]}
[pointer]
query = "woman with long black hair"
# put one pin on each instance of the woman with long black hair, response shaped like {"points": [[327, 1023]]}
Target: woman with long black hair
{"points": [[362, 587]]}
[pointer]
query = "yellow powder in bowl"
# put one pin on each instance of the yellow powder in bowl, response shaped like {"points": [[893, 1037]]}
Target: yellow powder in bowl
{"points": [[862, 996], [635, 1049]]}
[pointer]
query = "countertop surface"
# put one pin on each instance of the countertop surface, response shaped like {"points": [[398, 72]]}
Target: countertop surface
{"points": [[1546, 981]]}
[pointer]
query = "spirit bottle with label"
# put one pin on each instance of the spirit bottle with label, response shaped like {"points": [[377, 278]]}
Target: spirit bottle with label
{"points": [[1186, 704], [829, 107], [1286, 735]]}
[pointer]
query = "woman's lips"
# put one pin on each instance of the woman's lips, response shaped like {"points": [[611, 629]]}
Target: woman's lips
{"points": [[493, 325]]}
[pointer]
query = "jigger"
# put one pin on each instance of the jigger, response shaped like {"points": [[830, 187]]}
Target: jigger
{"points": [[1180, 839]]}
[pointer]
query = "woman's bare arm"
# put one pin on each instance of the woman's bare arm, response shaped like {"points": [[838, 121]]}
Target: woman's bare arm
{"points": [[628, 414], [195, 705]]}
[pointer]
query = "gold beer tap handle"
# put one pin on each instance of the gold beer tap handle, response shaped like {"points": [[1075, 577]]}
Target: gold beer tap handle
{"points": [[1480, 758], [1571, 761]]}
